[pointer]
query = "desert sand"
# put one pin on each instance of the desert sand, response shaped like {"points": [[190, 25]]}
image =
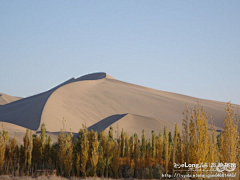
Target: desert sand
{"points": [[5, 99], [100, 101]]}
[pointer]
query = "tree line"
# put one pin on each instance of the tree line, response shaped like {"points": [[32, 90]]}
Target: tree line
{"points": [[100, 154]]}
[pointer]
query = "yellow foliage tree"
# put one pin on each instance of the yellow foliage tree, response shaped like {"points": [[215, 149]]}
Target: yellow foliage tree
{"points": [[115, 161], [159, 148], [94, 153], [166, 149], [230, 136], [3, 140]]}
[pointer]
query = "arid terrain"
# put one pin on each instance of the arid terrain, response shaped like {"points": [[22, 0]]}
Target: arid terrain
{"points": [[100, 101]]}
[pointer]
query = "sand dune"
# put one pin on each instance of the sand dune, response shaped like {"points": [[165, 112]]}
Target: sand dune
{"points": [[100, 101], [132, 124], [5, 99]]}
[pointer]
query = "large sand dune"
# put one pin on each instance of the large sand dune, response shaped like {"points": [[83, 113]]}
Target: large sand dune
{"points": [[100, 101]]}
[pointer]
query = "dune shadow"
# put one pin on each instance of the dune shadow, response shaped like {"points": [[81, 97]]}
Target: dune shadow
{"points": [[104, 123], [93, 76]]}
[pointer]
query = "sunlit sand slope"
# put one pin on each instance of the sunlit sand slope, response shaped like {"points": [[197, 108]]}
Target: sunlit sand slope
{"points": [[93, 99], [5, 99]]}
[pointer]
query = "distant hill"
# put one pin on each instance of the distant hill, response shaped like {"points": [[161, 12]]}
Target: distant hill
{"points": [[5, 99]]}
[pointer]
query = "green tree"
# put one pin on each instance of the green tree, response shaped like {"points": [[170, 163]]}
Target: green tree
{"points": [[185, 135], [153, 144], [122, 143], [77, 163], [3, 140], [94, 153], [65, 153], [82, 147], [165, 150], [143, 146], [12, 155], [115, 161], [26, 142], [47, 152], [159, 148], [36, 153], [43, 134], [109, 150], [136, 155], [176, 145], [29, 152], [101, 161]]}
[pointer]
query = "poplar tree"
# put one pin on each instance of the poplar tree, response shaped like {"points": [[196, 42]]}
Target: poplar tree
{"points": [[127, 151], [29, 152], [170, 151], [7, 159], [131, 153], [166, 145], [159, 148], [185, 135], [101, 162], [176, 147], [47, 152], [203, 137], [109, 153], [200, 143], [36, 153], [77, 163], [229, 148], [148, 158], [3, 140], [153, 144], [65, 153], [43, 134], [22, 160], [26, 142], [213, 150], [122, 143], [115, 161], [192, 156], [94, 153], [102, 149], [13, 154], [82, 147], [43, 141], [143, 146], [143, 151], [136, 155]]}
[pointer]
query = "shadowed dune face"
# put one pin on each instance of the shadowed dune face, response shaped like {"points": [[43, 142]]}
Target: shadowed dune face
{"points": [[103, 124], [100, 101], [94, 76], [27, 112]]}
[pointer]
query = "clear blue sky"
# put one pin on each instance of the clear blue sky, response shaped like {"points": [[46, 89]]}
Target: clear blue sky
{"points": [[187, 47]]}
